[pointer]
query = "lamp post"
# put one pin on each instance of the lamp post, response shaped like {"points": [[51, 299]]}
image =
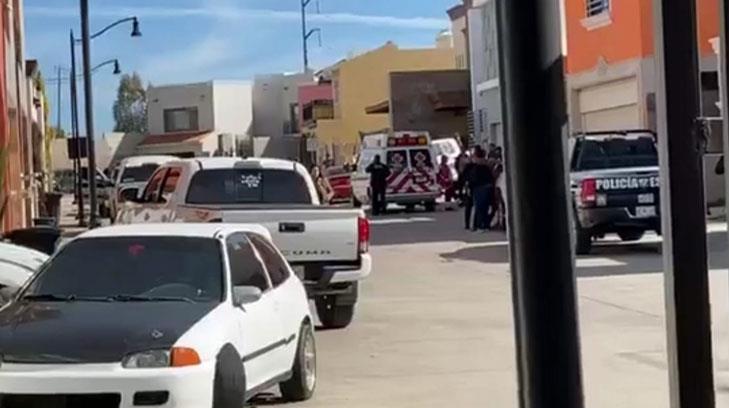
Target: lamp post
{"points": [[86, 38]]}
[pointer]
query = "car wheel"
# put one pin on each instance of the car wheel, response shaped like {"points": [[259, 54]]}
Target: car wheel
{"points": [[333, 316], [302, 383], [631, 235], [430, 206], [229, 385], [583, 241]]}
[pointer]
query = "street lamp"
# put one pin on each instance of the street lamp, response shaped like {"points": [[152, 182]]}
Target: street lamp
{"points": [[86, 38]]}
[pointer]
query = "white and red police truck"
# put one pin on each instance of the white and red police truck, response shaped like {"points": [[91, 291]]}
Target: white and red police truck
{"points": [[412, 162]]}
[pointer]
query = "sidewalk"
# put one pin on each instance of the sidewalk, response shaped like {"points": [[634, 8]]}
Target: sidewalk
{"points": [[68, 222]]}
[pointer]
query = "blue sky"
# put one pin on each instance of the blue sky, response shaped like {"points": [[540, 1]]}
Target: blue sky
{"points": [[198, 40]]}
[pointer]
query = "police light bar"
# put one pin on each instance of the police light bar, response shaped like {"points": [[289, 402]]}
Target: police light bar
{"points": [[407, 140]]}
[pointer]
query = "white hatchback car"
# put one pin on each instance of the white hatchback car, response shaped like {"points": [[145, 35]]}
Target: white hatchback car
{"points": [[173, 315], [17, 265]]}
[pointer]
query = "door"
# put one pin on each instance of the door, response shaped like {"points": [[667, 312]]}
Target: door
{"points": [[291, 301], [258, 322], [159, 196], [422, 170], [610, 106], [399, 180]]}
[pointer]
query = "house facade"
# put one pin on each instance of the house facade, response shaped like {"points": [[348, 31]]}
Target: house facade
{"points": [[360, 82], [201, 119]]}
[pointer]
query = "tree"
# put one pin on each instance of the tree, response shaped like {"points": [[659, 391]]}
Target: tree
{"points": [[130, 108], [56, 133]]}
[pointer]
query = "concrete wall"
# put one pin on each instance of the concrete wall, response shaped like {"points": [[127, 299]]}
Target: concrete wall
{"points": [[198, 95], [412, 96], [233, 107], [486, 93], [273, 96]]}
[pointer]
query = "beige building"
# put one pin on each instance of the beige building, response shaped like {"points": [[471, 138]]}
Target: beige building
{"points": [[361, 82], [200, 119]]}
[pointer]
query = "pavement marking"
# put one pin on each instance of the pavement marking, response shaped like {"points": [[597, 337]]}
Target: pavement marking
{"points": [[596, 262]]}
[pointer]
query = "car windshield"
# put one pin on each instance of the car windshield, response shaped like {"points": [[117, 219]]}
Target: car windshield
{"points": [[138, 173], [593, 154], [248, 186], [137, 267]]}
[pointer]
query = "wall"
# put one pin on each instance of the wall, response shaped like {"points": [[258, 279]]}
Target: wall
{"points": [[412, 102], [459, 31], [313, 92], [233, 107], [273, 96], [364, 81], [198, 95]]}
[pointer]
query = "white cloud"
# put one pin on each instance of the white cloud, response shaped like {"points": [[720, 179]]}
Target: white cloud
{"points": [[237, 13]]}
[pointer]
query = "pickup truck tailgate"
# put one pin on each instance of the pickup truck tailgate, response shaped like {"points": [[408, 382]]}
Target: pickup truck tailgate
{"points": [[304, 236]]}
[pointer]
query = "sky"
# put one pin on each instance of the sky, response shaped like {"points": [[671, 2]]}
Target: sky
{"points": [[199, 40]]}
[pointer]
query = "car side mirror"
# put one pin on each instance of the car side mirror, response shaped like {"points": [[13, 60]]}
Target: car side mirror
{"points": [[130, 194], [243, 295]]}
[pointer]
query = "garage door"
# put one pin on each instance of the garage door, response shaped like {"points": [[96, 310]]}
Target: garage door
{"points": [[609, 106]]}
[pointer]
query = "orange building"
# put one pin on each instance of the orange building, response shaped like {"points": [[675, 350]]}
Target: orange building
{"points": [[610, 67]]}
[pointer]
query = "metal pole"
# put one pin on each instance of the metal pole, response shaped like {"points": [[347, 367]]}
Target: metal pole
{"points": [[541, 257], [77, 136], [304, 3], [58, 121], [681, 145], [89, 102]]}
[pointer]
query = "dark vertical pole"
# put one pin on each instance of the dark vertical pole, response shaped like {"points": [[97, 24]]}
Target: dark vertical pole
{"points": [[89, 102], [76, 135], [58, 121], [688, 317], [542, 263], [723, 90], [304, 33]]}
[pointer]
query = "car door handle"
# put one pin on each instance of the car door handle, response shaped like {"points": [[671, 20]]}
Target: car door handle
{"points": [[291, 227]]}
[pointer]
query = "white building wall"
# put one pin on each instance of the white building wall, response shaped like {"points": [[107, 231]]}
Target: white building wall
{"points": [[273, 96], [233, 107], [198, 95]]}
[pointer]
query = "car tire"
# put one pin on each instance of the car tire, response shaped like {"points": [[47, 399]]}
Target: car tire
{"points": [[430, 206], [583, 241], [631, 235], [333, 316], [229, 384], [301, 385]]}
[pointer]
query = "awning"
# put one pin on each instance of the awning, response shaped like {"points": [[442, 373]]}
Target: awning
{"points": [[381, 107], [450, 100]]}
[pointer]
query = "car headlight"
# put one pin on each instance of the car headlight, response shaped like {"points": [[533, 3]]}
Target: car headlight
{"points": [[148, 359]]}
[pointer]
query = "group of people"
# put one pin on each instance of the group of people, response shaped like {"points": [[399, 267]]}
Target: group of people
{"points": [[479, 187]]}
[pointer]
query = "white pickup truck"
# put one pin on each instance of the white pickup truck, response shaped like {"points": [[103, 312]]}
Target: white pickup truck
{"points": [[327, 246]]}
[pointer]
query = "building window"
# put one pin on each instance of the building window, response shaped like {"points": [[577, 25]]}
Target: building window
{"points": [[180, 119], [596, 7]]}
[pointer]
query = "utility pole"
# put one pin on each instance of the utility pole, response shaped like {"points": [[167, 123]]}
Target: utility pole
{"points": [[89, 102], [306, 34], [76, 134], [58, 101]]}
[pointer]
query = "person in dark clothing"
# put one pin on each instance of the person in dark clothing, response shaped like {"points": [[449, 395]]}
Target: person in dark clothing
{"points": [[379, 173], [481, 184]]}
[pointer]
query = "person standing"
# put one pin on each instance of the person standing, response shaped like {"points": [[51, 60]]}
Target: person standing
{"points": [[481, 183], [325, 190], [445, 178], [379, 173]]}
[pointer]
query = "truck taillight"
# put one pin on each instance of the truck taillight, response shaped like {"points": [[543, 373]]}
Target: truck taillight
{"points": [[363, 235], [588, 192]]}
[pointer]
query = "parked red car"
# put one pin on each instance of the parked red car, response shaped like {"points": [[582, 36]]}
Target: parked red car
{"points": [[341, 181]]}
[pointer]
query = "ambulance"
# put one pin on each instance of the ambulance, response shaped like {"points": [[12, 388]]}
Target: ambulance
{"points": [[412, 162]]}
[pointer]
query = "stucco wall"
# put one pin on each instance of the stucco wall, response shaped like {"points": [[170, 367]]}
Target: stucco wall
{"points": [[198, 95], [233, 107], [273, 96]]}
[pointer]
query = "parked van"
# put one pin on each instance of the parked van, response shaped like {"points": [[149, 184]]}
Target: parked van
{"points": [[412, 163]]}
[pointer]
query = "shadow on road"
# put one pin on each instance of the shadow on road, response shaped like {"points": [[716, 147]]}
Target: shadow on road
{"points": [[609, 258]]}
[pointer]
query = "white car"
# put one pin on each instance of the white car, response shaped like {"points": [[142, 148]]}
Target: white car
{"points": [[133, 172], [173, 315], [17, 265]]}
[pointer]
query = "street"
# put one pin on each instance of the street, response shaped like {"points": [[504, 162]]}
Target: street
{"points": [[434, 326]]}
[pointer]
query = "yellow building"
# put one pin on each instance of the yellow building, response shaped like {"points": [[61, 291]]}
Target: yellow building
{"points": [[361, 82]]}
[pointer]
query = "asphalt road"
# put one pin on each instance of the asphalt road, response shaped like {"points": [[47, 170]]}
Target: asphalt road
{"points": [[434, 327]]}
